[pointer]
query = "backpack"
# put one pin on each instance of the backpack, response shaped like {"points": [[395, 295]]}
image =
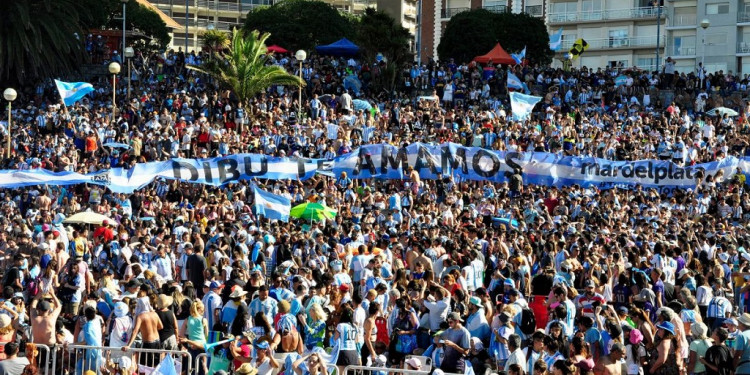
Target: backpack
{"points": [[33, 286], [528, 321]]}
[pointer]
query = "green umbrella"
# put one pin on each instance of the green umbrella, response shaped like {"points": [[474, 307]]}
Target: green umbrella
{"points": [[312, 212]]}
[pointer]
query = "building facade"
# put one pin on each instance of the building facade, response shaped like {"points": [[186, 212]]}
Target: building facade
{"points": [[619, 33], [724, 43]]}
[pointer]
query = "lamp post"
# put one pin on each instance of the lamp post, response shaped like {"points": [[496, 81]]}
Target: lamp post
{"points": [[10, 95], [301, 55], [704, 25], [124, 15], [129, 53], [114, 68]]}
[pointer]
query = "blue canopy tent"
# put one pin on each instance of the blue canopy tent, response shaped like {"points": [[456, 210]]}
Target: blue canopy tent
{"points": [[343, 47]]}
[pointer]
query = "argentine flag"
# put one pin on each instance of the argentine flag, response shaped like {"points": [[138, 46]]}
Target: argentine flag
{"points": [[518, 57], [555, 40], [272, 206], [522, 104], [515, 83], [72, 92]]}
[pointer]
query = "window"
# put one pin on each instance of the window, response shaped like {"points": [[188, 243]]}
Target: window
{"points": [[568, 7], [646, 63], [718, 8], [617, 64], [683, 45], [618, 38], [591, 6]]}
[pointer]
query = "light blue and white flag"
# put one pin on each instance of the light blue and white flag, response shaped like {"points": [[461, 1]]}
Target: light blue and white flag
{"points": [[555, 40], [272, 206], [518, 57], [166, 367], [620, 80], [514, 82], [72, 92], [522, 104]]}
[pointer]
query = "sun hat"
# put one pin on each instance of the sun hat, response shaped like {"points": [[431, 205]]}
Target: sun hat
{"points": [[636, 337], [699, 330], [4, 320], [164, 301], [667, 326], [121, 309], [475, 301], [414, 362], [237, 293], [246, 369], [744, 319]]}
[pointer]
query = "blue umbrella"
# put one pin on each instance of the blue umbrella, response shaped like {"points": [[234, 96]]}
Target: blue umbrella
{"points": [[353, 84], [361, 105], [505, 221], [117, 145]]}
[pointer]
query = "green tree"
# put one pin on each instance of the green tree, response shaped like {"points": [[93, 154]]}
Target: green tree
{"points": [[40, 39], [215, 41], [378, 32], [467, 34], [300, 24], [107, 13], [245, 68], [474, 32]]}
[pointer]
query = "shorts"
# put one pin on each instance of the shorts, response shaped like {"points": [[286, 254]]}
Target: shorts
{"points": [[348, 358]]}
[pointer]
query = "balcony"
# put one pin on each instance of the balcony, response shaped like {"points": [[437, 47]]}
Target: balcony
{"points": [[535, 10], [218, 5], [497, 8], [448, 13], [743, 17], [684, 21], [604, 15], [614, 43], [743, 48], [682, 51]]}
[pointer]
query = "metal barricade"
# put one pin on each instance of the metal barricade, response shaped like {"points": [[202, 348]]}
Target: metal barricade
{"points": [[389, 370], [202, 357], [43, 363], [77, 359]]}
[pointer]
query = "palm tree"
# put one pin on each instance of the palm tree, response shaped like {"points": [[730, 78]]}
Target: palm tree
{"points": [[215, 40], [245, 68], [40, 39]]}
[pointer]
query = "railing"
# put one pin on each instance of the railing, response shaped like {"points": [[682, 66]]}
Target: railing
{"points": [[534, 10], [683, 51], [351, 370], [76, 359], [603, 15], [218, 5], [743, 47], [641, 41], [683, 20], [496, 8], [743, 17], [450, 12]]}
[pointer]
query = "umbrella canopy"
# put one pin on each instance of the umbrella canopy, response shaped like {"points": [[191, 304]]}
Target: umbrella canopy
{"points": [[312, 212], [497, 56], [343, 47], [361, 105], [116, 145], [276, 49], [88, 218], [721, 111]]}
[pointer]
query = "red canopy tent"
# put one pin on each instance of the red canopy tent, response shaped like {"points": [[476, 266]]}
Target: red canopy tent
{"points": [[276, 49], [497, 55]]}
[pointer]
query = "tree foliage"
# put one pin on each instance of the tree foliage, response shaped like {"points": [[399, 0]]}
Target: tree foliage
{"points": [[300, 24], [245, 68], [40, 39], [474, 32], [108, 13], [215, 40], [378, 32]]}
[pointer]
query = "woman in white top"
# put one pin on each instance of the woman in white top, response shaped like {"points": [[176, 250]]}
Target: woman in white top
{"points": [[120, 329]]}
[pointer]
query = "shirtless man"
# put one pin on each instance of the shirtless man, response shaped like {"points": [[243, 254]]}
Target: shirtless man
{"points": [[614, 366], [147, 322], [43, 318]]}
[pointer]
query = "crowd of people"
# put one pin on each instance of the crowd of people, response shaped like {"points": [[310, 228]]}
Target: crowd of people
{"points": [[415, 274]]}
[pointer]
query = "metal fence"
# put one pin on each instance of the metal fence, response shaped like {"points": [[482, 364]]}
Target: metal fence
{"points": [[350, 370], [77, 359]]}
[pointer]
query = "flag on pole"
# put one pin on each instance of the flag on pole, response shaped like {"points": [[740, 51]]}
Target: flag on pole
{"points": [[518, 57], [555, 40], [272, 206], [579, 47], [516, 84], [522, 105], [166, 367], [72, 92]]}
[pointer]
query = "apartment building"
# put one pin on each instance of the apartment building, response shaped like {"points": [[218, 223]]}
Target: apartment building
{"points": [[202, 15], [404, 12], [715, 32], [437, 13], [618, 32]]}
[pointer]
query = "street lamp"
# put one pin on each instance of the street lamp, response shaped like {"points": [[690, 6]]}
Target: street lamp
{"points": [[10, 95], [124, 15], [301, 55], [704, 25], [129, 53], [114, 68]]}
